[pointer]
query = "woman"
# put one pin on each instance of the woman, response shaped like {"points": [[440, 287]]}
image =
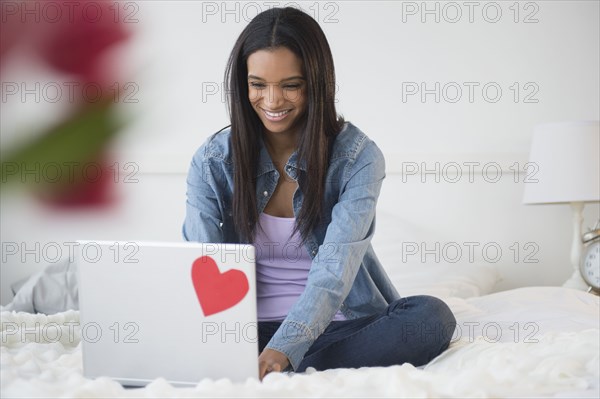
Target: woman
{"points": [[293, 178]]}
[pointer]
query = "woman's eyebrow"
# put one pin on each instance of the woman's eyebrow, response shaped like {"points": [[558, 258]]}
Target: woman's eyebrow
{"points": [[291, 78]]}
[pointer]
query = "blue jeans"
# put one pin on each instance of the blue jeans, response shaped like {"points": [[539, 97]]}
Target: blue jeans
{"points": [[414, 329]]}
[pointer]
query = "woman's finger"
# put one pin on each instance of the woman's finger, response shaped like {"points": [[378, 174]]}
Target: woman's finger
{"points": [[263, 370]]}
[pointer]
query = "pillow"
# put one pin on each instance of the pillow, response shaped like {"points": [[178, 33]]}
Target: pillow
{"points": [[50, 291], [443, 279], [462, 279]]}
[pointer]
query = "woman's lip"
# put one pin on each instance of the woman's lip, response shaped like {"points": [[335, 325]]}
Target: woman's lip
{"points": [[277, 118]]}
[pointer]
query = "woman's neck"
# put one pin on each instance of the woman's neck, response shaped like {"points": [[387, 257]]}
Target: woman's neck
{"points": [[280, 145]]}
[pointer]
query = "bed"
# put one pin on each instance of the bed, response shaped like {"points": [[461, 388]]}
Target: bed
{"points": [[524, 342]]}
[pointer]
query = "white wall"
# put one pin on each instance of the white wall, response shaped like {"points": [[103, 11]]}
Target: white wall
{"points": [[179, 52]]}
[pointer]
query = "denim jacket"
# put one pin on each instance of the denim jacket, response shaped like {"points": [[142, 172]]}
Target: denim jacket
{"points": [[345, 273]]}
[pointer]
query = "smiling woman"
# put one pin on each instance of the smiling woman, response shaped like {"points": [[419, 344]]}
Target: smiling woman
{"points": [[276, 98], [301, 184], [276, 91], [281, 61]]}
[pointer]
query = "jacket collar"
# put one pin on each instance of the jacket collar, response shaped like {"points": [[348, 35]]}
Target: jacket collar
{"points": [[265, 163]]}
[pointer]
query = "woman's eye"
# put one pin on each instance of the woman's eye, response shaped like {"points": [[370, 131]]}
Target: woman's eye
{"points": [[292, 87], [260, 86]]}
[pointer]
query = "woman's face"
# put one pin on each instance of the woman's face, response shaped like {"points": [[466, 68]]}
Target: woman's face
{"points": [[276, 89]]}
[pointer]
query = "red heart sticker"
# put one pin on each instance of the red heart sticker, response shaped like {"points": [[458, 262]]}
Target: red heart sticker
{"points": [[217, 291]]}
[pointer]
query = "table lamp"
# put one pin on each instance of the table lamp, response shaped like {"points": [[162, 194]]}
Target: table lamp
{"points": [[567, 156]]}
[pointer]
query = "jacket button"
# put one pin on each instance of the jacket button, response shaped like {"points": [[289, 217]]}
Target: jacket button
{"points": [[265, 193]]}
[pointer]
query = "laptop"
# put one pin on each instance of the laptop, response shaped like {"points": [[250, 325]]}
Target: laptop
{"points": [[178, 311]]}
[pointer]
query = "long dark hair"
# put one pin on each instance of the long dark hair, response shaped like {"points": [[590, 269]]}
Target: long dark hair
{"points": [[300, 33]]}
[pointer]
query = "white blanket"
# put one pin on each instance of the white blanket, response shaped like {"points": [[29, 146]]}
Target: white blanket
{"points": [[538, 341]]}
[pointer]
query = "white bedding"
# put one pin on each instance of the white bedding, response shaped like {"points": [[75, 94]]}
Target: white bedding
{"points": [[536, 341]]}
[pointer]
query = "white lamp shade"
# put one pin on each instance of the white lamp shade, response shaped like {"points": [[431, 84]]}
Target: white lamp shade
{"points": [[567, 157]]}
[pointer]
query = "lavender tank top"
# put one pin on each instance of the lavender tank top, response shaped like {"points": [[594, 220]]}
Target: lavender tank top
{"points": [[282, 266]]}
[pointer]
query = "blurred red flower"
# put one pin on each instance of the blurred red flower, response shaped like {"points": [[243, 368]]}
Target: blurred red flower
{"points": [[76, 43], [74, 39]]}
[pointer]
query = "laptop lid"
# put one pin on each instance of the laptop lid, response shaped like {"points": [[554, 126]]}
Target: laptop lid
{"points": [[180, 311]]}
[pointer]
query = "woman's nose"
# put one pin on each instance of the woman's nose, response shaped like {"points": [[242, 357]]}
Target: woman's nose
{"points": [[274, 96]]}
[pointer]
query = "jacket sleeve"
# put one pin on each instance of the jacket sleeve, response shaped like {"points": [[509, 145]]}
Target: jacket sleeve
{"points": [[203, 219], [334, 268]]}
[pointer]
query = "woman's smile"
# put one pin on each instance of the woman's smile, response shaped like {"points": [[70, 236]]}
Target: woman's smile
{"points": [[276, 116]]}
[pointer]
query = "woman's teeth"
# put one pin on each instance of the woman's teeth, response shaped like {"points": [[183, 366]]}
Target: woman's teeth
{"points": [[276, 116]]}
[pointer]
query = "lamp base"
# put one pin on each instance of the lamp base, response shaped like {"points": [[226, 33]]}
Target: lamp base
{"points": [[576, 282]]}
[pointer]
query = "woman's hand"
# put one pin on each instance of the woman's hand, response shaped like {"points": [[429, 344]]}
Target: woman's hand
{"points": [[271, 360]]}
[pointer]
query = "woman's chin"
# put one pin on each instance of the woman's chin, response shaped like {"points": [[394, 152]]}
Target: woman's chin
{"points": [[276, 127]]}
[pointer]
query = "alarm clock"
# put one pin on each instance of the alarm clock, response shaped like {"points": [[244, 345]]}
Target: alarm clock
{"points": [[589, 266]]}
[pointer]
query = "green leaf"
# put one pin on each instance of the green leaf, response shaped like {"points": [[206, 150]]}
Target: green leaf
{"points": [[68, 145]]}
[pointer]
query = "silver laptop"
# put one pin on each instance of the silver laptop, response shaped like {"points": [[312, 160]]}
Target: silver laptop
{"points": [[180, 311]]}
